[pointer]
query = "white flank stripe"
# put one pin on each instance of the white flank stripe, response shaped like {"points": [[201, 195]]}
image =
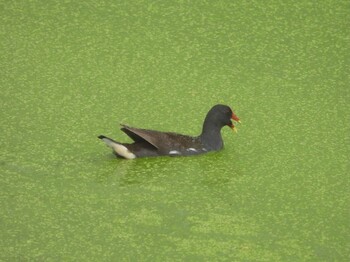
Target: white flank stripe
{"points": [[174, 152]]}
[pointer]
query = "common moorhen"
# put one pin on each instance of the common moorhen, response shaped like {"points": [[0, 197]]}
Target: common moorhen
{"points": [[149, 143]]}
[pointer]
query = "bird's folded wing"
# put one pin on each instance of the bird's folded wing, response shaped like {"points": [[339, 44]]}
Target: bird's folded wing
{"points": [[139, 135]]}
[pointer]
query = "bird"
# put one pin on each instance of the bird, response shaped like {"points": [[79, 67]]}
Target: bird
{"points": [[152, 143]]}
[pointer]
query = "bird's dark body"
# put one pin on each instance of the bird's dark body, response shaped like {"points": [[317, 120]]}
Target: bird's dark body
{"points": [[150, 143]]}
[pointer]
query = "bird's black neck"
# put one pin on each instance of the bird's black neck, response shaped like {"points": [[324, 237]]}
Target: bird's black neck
{"points": [[211, 136]]}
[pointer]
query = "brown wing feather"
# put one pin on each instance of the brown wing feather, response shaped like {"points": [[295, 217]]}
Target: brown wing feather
{"points": [[163, 141], [138, 135], [132, 135]]}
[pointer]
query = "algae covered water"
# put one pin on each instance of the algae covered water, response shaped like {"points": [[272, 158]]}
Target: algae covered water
{"points": [[279, 191]]}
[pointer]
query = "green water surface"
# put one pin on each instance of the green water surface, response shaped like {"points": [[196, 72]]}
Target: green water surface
{"points": [[72, 70]]}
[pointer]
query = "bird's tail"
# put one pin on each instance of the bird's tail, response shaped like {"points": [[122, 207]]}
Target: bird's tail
{"points": [[118, 148], [109, 142]]}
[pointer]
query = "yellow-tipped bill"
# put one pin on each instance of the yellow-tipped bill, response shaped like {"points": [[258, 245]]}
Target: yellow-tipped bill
{"points": [[235, 119]]}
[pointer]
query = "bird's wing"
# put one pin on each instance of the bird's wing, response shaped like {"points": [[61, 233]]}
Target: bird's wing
{"points": [[163, 141], [139, 135]]}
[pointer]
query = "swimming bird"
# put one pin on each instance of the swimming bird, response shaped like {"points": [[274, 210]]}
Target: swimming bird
{"points": [[150, 143]]}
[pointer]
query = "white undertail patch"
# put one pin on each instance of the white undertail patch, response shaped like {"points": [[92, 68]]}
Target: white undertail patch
{"points": [[119, 149], [123, 151], [174, 152]]}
